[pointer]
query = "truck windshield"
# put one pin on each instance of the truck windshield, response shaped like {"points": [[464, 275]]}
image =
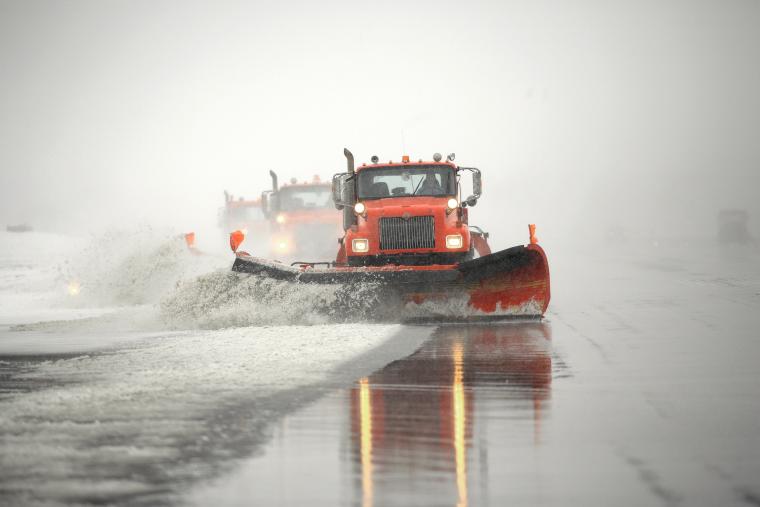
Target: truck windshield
{"points": [[246, 213], [402, 181], [304, 197]]}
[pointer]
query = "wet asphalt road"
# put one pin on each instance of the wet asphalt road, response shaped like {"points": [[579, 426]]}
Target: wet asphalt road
{"points": [[426, 429], [640, 388]]}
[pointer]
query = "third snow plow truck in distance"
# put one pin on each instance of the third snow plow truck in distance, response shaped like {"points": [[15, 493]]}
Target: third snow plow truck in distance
{"points": [[407, 239], [243, 214], [303, 220]]}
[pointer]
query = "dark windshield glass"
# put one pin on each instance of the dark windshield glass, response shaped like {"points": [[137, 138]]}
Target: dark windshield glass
{"points": [[304, 197], [376, 183]]}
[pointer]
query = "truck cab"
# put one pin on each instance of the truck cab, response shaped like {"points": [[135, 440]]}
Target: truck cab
{"points": [[303, 222], [405, 213], [243, 214]]}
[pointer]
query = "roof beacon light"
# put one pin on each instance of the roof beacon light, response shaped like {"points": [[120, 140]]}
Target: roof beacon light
{"points": [[450, 157], [405, 159], [375, 159], [437, 157]]}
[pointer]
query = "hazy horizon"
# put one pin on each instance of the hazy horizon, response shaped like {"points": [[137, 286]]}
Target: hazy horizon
{"points": [[644, 115]]}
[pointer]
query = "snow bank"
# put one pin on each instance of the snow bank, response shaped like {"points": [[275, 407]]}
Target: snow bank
{"points": [[151, 413]]}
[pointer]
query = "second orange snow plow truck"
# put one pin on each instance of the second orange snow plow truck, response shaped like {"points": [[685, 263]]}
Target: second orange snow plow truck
{"points": [[303, 220], [408, 237]]}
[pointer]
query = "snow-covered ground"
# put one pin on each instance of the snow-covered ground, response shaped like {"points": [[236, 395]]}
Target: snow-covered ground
{"points": [[112, 424]]}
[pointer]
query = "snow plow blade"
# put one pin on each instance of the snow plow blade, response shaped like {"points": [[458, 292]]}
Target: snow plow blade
{"points": [[509, 283]]}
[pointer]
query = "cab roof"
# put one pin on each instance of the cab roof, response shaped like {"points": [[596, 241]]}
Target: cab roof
{"points": [[306, 184], [256, 203], [391, 164]]}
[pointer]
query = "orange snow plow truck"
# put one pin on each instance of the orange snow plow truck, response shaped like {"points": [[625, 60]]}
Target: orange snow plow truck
{"points": [[407, 236], [303, 220], [243, 214]]}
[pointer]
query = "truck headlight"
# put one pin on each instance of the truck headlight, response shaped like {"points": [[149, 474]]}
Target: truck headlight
{"points": [[280, 218], [452, 204], [454, 241], [360, 208], [360, 245]]}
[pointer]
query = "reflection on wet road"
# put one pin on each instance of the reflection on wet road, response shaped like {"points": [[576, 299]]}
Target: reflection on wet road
{"points": [[416, 424], [417, 431]]}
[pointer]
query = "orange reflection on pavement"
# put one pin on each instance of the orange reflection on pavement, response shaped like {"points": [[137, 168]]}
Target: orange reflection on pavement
{"points": [[365, 412], [460, 419]]}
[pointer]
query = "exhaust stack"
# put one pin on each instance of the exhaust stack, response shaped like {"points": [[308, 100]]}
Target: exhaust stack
{"points": [[349, 160], [274, 180]]}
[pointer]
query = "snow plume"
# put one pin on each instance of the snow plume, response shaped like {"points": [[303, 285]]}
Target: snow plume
{"points": [[133, 267], [228, 299]]}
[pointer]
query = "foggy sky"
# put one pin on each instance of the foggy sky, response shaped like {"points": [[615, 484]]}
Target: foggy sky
{"points": [[584, 113]]}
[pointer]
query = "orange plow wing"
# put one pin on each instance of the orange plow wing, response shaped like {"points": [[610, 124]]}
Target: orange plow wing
{"points": [[511, 283]]}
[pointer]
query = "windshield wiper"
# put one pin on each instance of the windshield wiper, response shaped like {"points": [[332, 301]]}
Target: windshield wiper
{"points": [[418, 186]]}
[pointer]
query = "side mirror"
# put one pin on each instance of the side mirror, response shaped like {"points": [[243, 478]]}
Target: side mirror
{"points": [[348, 199], [269, 203], [477, 185], [337, 191], [274, 203], [265, 203]]}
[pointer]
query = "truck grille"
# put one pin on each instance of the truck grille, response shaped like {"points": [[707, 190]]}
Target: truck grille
{"points": [[399, 234]]}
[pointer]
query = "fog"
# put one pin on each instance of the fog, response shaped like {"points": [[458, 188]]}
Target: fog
{"points": [[582, 115]]}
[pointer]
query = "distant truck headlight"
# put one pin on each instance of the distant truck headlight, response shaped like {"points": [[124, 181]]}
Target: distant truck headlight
{"points": [[280, 219], [360, 208], [454, 241], [360, 245], [452, 204], [74, 288]]}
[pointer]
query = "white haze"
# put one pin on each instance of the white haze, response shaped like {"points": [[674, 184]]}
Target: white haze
{"points": [[582, 115]]}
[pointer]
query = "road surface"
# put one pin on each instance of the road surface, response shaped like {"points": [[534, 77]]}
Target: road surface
{"points": [[641, 387]]}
